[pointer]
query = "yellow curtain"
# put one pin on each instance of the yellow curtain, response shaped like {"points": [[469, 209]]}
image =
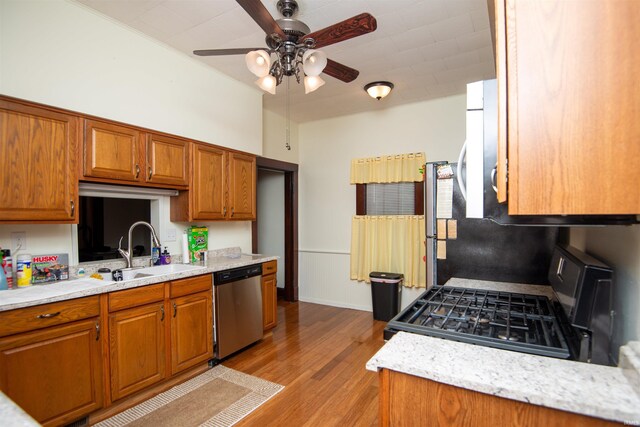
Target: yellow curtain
{"points": [[393, 244], [385, 169]]}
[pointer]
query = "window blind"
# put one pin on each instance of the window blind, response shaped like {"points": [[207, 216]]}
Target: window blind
{"points": [[396, 198]]}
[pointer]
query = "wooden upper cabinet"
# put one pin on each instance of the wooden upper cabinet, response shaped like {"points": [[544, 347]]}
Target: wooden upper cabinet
{"points": [[242, 186], [167, 160], [569, 101], [38, 169], [222, 186], [112, 151], [208, 183]]}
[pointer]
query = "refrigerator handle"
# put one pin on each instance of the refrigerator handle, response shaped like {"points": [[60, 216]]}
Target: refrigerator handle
{"points": [[463, 187]]}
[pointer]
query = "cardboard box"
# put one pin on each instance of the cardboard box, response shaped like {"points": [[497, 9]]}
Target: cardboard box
{"points": [[49, 268], [198, 239]]}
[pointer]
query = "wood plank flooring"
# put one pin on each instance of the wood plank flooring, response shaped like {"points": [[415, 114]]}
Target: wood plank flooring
{"points": [[319, 354]]}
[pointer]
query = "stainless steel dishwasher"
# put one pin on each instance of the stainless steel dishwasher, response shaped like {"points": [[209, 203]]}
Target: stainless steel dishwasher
{"points": [[237, 309]]}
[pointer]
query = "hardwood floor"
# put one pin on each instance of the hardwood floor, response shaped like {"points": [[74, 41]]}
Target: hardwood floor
{"points": [[319, 354]]}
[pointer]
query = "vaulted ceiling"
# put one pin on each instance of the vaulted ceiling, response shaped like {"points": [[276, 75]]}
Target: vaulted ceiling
{"points": [[427, 48]]}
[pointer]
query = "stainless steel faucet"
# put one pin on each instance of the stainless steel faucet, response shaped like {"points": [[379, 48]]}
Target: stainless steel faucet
{"points": [[127, 255]]}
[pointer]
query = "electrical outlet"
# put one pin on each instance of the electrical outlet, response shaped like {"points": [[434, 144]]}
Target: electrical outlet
{"points": [[171, 234], [19, 240]]}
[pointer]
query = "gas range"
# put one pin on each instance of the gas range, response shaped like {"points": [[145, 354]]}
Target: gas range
{"points": [[511, 321], [578, 325]]}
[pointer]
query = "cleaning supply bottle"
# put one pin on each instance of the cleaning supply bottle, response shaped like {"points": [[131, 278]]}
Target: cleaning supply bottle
{"points": [[23, 270], [3, 281], [165, 258], [7, 265]]}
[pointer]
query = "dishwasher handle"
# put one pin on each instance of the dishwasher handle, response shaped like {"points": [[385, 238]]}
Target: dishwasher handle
{"points": [[235, 274]]}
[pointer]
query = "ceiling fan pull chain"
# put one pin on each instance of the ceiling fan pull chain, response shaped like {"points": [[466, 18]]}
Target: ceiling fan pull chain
{"points": [[288, 125]]}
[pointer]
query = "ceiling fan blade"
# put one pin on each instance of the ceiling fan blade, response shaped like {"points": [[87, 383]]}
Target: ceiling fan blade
{"points": [[340, 72], [345, 30], [263, 18], [218, 52]]}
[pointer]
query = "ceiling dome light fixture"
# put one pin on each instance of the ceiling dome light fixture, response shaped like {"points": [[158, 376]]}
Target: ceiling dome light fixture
{"points": [[378, 90]]}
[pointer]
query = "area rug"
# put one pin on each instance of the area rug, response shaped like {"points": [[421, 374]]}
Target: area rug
{"points": [[218, 397]]}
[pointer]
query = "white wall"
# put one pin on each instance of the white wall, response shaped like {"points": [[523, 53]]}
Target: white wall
{"points": [[327, 200], [60, 53], [275, 135], [271, 217]]}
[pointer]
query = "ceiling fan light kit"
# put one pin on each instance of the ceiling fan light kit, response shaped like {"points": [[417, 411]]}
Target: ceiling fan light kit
{"points": [[378, 90], [312, 83], [294, 47], [258, 62]]}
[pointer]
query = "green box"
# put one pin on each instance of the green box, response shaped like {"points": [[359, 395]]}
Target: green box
{"points": [[198, 239]]}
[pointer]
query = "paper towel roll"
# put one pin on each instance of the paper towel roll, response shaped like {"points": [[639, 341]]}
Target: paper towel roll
{"points": [[186, 256]]}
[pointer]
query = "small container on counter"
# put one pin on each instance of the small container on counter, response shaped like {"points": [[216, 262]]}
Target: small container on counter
{"points": [[155, 255], [23, 270], [165, 258], [7, 266]]}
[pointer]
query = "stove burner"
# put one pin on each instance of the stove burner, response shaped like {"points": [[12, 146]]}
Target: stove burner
{"points": [[481, 321], [512, 337]]}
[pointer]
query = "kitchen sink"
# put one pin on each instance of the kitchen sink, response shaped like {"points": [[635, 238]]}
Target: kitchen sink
{"points": [[142, 272]]}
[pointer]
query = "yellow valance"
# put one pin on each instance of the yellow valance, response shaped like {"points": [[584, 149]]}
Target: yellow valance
{"points": [[385, 169], [394, 243]]}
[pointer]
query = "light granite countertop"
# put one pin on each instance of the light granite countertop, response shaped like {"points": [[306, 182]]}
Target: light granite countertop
{"points": [[600, 391], [217, 260], [11, 415]]}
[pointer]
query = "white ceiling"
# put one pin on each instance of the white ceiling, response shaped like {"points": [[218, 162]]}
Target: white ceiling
{"points": [[427, 48]]}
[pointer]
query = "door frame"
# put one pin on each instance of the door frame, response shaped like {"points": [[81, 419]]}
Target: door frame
{"points": [[290, 291]]}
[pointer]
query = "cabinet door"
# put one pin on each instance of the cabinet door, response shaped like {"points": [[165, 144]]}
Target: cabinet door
{"points": [[242, 186], [572, 97], [269, 302], [191, 330], [166, 160], [136, 338], [208, 189], [38, 150], [112, 152], [54, 374]]}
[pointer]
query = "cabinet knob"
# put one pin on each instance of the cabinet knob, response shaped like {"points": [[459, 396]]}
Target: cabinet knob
{"points": [[150, 173], [137, 171]]}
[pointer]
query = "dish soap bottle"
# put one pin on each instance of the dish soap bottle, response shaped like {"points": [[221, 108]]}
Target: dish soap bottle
{"points": [[165, 258], [3, 281]]}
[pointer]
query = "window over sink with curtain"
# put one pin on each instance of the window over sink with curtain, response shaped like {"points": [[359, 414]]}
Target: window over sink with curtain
{"points": [[388, 230]]}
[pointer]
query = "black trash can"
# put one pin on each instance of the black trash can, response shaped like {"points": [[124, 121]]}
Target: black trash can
{"points": [[385, 294]]}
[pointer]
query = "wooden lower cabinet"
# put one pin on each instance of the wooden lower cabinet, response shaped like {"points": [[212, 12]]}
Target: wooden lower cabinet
{"points": [[137, 348], [54, 374], [445, 405], [269, 296], [191, 331]]}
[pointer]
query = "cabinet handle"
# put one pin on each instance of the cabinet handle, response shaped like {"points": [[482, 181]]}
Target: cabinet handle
{"points": [[493, 178], [73, 208], [150, 173], [224, 212], [137, 171], [175, 309], [48, 315], [97, 331], [232, 211], [162, 311]]}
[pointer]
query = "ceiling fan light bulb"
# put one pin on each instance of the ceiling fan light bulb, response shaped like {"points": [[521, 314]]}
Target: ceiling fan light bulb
{"points": [[267, 83], [312, 83], [258, 62], [313, 62], [378, 90]]}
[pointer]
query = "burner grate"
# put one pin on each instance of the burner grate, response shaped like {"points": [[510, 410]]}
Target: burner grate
{"points": [[500, 319]]}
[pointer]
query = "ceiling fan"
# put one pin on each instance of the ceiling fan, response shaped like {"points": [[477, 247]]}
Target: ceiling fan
{"points": [[294, 46]]}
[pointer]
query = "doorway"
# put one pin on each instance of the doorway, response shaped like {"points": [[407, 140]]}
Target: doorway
{"points": [[276, 224]]}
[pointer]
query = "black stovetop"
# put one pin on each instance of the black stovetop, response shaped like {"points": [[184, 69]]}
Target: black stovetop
{"points": [[511, 321]]}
